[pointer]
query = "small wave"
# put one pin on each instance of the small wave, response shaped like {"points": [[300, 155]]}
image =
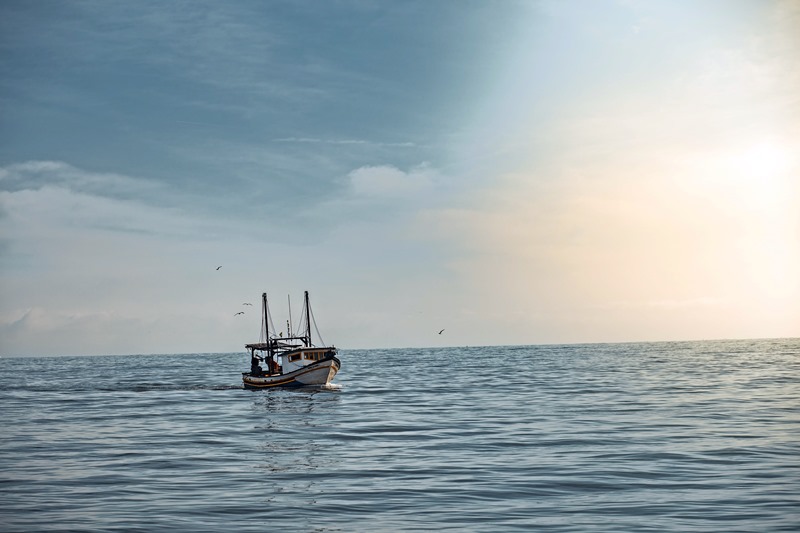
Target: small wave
{"points": [[149, 387]]}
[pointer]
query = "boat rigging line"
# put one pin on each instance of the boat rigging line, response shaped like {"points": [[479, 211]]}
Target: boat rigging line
{"points": [[314, 321]]}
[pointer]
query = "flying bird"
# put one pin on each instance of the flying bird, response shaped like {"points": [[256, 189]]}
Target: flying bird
{"points": [[219, 267], [247, 303], [440, 331], [239, 313]]}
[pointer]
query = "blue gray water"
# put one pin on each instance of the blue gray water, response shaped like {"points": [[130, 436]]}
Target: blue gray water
{"points": [[666, 437]]}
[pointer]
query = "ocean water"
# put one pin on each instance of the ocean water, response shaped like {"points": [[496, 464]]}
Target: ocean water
{"points": [[658, 437]]}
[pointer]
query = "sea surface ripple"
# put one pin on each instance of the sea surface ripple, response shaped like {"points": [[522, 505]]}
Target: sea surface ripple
{"points": [[666, 437]]}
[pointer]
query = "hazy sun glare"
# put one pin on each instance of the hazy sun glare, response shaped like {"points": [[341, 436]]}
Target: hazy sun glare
{"points": [[642, 210], [708, 246], [767, 160]]}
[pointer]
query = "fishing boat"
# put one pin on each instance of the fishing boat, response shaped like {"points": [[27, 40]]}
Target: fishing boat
{"points": [[291, 360]]}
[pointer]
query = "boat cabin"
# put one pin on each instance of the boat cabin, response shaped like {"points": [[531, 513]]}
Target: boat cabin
{"points": [[295, 360]]}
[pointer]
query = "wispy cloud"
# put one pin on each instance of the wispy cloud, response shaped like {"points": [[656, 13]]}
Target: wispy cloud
{"points": [[35, 175], [311, 140], [42, 200], [687, 304]]}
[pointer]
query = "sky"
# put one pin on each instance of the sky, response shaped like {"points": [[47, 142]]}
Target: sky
{"points": [[515, 172]]}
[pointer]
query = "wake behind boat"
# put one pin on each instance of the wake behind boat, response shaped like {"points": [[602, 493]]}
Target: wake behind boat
{"points": [[289, 361]]}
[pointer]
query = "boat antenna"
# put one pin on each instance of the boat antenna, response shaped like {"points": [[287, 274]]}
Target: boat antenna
{"points": [[289, 323]]}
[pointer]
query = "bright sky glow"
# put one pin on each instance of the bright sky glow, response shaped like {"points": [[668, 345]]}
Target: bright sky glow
{"points": [[514, 172]]}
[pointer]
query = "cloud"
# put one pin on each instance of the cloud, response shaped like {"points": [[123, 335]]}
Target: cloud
{"points": [[312, 140], [82, 271], [38, 198], [385, 182], [41, 331], [35, 175], [687, 304], [41, 198]]}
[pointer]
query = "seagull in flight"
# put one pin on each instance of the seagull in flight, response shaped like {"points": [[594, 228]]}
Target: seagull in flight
{"points": [[239, 313], [440, 331], [247, 303], [219, 267]]}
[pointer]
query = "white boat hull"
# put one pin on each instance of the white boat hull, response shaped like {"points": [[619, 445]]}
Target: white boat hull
{"points": [[315, 374]]}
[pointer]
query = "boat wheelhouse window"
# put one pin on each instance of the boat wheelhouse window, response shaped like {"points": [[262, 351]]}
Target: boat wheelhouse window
{"points": [[312, 356], [294, 357]]}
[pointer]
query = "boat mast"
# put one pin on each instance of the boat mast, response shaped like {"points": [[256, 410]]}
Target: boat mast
{"points": [[266, 319], [308, 321]]}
